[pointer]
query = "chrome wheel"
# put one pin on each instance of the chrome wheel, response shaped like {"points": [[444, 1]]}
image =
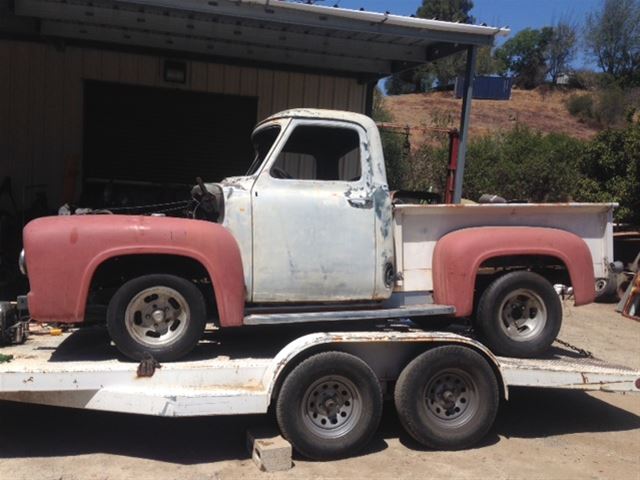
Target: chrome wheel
{"points": [[331, 407], [523, 315], [157, 316], [451, 398]]}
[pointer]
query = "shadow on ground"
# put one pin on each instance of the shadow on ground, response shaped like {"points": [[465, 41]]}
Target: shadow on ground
{"points": [[41, 431]]}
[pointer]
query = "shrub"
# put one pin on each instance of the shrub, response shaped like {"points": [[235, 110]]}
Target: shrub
{"points": [[610, 168], [611, 106], [427, 166], [580, 105], [521, 164], [393, 144], [589, 80]]}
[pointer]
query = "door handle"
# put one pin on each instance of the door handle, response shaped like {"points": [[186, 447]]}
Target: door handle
{"points": [[360, 202]]}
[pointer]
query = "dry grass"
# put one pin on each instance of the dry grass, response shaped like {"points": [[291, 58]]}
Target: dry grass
{"points": [[540, 109]]}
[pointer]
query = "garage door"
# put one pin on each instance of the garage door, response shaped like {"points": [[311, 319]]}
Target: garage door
{"points": [[164, 138]]}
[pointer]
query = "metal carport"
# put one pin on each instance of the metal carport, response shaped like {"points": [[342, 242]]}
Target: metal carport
{"points": [[369, 44]]}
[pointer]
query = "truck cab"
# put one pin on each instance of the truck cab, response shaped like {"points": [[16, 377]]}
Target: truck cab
{"points": [[313, 216]]}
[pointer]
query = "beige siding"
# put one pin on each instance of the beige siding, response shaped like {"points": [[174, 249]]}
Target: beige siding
{"points": [[41, 104]]}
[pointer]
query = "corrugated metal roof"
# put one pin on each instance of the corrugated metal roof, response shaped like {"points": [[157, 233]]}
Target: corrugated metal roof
{"points": [[273, 31]]}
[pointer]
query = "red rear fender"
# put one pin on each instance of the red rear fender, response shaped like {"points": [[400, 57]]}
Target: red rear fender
{"points": [[458, 256]]}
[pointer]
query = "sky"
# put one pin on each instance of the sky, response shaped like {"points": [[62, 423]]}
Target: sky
{"points": [[516, 14]]}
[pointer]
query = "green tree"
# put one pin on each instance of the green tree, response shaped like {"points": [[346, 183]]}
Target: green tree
{"points": [[561, 49], [524, 56], [448, 10], [612, 36], [442, 71], [610, 167]]}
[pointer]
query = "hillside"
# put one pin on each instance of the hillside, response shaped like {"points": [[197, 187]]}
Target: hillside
{"points": [[539, 109]]}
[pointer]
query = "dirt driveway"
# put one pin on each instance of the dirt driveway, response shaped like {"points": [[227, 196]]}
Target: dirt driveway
{"points": [[539, 434]]}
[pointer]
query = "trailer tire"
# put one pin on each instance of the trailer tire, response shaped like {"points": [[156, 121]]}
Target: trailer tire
{"points": [[447, 398], [519, 315], [159, 315], [329, 405]]}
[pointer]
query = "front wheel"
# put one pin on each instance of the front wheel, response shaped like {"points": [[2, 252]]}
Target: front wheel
{"points": [[447, 398], [519, 315], [329, 405], [160, 315]]}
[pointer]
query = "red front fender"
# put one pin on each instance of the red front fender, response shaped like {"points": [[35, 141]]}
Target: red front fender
{"points": [[62, 254], [458, 256]]}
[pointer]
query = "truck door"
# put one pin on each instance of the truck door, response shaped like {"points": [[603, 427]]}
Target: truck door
{"points": [[313, 217]]}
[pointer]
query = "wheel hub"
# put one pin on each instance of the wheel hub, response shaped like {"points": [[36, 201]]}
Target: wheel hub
{"points": [[331, 407], [523, 315], [157, 316], [450, 397]]}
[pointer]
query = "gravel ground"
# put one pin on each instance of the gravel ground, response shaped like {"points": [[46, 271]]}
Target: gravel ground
{"points": [[551, 434]]}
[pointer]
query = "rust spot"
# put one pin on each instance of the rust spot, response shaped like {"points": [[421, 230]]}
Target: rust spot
{"points": [[73, 236]]}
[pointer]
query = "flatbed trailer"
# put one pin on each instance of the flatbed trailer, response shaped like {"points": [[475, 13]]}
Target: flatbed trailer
{"points": [[244, 374]]}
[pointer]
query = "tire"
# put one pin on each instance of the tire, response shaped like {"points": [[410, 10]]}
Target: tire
{"points": [[345, 418], [607, 289], [519, 315], [166, 330], [447, 398]]}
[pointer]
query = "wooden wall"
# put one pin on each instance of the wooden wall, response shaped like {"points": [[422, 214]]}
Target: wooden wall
{"points": [[41, 104]]}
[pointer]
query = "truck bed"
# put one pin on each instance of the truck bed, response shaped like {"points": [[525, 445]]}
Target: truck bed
{"points": [[417, 228], [233, 376]]}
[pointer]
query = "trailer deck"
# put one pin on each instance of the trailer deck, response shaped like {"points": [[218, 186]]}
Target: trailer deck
{"points": [[82, 370]]}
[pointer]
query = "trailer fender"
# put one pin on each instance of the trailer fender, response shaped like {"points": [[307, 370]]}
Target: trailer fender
{"points": [[458, 256], [357, 342], [63, 253]]}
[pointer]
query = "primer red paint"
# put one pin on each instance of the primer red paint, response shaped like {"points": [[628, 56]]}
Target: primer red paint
{"points": [[458, 256], [64, 252]]}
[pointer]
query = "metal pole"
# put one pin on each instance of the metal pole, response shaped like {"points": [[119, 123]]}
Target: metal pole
{"points": [[464, 120]]}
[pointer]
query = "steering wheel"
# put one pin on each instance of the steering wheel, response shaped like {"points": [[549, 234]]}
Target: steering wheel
{"points": [[280, 173]]}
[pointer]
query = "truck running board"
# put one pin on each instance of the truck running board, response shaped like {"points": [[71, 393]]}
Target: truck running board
{"points": [[409, 311]]}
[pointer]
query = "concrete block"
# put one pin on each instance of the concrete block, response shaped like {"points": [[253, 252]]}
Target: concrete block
{"points": [[269, 450]]}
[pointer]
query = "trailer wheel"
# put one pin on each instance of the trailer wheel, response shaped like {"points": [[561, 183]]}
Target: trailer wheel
{"points": [[329, 405], [519, 315], [447, 398], [160, 315]]}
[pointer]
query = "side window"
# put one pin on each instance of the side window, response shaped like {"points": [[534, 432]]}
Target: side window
{"points": [[320, 153]]}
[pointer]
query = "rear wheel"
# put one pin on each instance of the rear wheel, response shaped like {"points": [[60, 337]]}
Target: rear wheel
{"points": [[329, 405], [519, 315], [447, 398], [160, 315]]}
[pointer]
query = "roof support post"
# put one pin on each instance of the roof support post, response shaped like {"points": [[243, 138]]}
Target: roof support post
{"points": [[472, 52]]}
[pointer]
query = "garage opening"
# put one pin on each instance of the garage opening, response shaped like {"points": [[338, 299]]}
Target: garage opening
{"points": [[145, 145]]}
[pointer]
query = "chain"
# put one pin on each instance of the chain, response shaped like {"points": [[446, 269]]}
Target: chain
{"points": [[173, 209], [178, 204], [578, 350]]}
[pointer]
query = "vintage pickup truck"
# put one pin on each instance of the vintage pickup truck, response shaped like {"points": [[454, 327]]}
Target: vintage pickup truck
{"points": [[313, 234]]}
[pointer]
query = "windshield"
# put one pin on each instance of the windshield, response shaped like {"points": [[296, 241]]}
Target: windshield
{"points": [[262, 142]]}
